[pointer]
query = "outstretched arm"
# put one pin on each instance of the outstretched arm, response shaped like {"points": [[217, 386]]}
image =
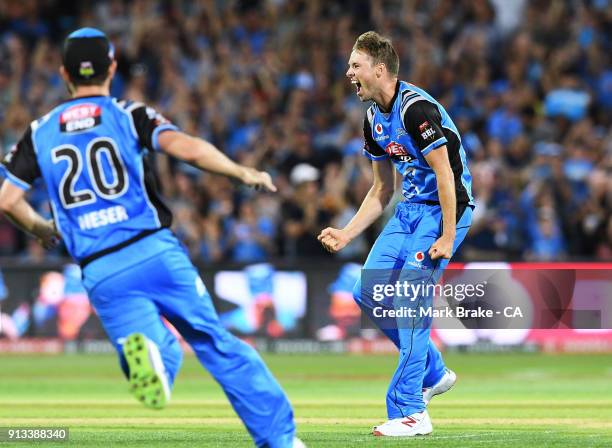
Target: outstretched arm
{"points": [[371, 208], [205, 156], [17, 209]]}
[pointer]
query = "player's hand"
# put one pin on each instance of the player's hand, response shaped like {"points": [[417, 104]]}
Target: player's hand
{"points": [[442, 248], [257, 179], [333, 240], [47, 235]]}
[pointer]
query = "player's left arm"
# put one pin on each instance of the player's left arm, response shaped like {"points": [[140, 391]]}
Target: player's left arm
{"points": [[439, 163], [206, 156], [155, 132], [423, 122]]}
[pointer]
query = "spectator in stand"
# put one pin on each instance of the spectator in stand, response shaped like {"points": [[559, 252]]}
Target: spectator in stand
{"points": [[251, 237], [264, 80], [303, 215], [547, 243]]}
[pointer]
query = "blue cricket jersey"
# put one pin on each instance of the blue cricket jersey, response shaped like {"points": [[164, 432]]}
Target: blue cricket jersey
{"points": [[416, 125], [91, 153]]}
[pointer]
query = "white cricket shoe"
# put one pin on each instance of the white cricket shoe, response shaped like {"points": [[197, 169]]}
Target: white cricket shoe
{"points": [[417, 424], [447, 381], [297, 443]]}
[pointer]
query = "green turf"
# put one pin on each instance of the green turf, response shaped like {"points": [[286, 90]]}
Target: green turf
{"points": [[510, 400]]}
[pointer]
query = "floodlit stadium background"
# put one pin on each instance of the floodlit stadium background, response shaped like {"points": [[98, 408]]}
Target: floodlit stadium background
{"points": [[529, 85]]}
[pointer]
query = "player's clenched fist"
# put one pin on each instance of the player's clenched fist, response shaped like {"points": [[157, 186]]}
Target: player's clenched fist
{"points": [[442, 248], [333, 240]]}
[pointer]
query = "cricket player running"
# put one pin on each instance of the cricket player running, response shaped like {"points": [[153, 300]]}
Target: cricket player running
{"points": [[91, 152], [406, 129]]}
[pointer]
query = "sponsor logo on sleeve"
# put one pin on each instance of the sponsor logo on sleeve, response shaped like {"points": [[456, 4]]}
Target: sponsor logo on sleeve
{"points": [[156, 116], [427, 131], [9, 155]]}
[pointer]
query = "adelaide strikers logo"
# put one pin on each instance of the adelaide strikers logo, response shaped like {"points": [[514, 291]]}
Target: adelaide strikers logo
{"points": [[378, 128], [398, 151]]}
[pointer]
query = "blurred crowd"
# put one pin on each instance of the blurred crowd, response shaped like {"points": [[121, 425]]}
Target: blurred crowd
{"points": [[529, 84]]}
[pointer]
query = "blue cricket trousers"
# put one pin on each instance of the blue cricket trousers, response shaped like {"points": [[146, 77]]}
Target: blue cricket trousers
{"points": [[400, 253], [131, 290]]}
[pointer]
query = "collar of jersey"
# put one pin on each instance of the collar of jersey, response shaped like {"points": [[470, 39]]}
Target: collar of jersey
{"points": [[84, 97], [393, 101]]}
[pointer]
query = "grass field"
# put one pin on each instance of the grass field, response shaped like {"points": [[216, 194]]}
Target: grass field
{"points": [[510, 400]]}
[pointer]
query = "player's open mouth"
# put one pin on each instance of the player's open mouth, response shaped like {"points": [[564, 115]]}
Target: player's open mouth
{"points": [[357, 85]]}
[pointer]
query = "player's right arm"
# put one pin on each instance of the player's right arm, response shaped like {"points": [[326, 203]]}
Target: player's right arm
{"points": [[205, 156], [374, 203], [21, 169], [14, 206]]}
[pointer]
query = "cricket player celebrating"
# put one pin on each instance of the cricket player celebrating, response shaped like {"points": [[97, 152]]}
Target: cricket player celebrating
{"points": [[406, 129], [91, 152]]}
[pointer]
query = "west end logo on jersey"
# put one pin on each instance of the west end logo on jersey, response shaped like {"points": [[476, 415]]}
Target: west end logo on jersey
{"points": [[80, 117], [426, 130], [398, 151]]}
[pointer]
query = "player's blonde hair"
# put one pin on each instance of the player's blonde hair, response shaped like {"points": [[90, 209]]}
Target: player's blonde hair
{"points": [[380, 49]]}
